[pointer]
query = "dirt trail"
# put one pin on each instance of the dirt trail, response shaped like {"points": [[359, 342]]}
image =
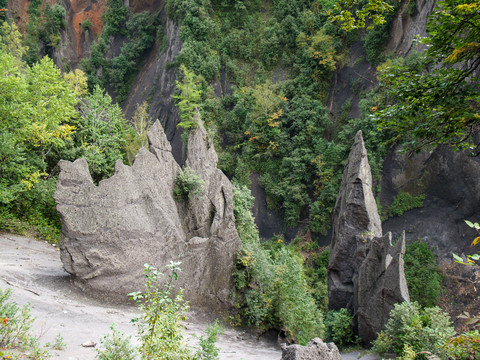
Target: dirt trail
{"points": [[33, 270]]}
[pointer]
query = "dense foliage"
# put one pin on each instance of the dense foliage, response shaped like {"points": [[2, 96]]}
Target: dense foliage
{"points": [[339, 325], [273, 289], [46, 116], [423, 276], [435, 101], [410, 328]]}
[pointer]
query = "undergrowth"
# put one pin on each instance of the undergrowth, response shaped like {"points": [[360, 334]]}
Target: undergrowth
{"points": [[15, 331]]}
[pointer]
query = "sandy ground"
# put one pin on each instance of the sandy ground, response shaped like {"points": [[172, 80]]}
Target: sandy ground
{"points": [[33, 270]]}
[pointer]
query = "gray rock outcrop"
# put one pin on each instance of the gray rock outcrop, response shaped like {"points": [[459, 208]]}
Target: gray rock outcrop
{"points": [[111, 230], [315, 350], [365, 271], [381, 284], [355, 222]]}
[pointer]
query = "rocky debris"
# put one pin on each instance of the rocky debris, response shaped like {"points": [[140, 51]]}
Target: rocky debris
{"points": [[111, 230], [355, 221], [365, 271], [315, 350], [381, 284], [89, 344]]}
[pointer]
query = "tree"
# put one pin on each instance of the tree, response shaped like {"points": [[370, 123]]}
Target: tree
{"points": [[101, 133], [355, 14], [435, 100], [188, 98], [138, 139], [36, 107]]}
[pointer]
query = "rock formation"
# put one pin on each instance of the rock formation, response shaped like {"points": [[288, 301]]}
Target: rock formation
{"points": [[355, 221], [111, 230], [365, 271], [381, 284], [316, 349]]}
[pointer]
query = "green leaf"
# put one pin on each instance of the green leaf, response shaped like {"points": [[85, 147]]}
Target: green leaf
{"points": [[469, 223]]}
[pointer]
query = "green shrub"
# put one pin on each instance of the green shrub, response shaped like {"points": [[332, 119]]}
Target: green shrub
{"points": [[188, 184], [423, 276], [404, 202], [316, 272], [116, 346], [159, 329], [59, 343], [339, 326], [297, 310], [15, 327], [206, 347], [465, 346], [86, 25], [273, 289], [422, 330], [188, 99], [242, 210], [275, 293]]}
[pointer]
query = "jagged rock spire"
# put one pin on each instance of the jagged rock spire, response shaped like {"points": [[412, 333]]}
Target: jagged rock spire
{"points": [[355, 221], [111, 230], [365, 271]]}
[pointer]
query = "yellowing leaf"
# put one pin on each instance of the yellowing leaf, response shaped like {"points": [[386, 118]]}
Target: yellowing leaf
{"points": [[475, 241]]}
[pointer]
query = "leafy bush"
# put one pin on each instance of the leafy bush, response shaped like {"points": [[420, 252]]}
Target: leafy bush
{"points": [[404, 202], [116, 346], [159, 329], [86, 25], [242, 210], [423, 276], [339, 326], [422, 330], [15, 326], [59, 343], [465, 346], [101, 134], [206, 347], [275, 294], [188, 98], [274, 291], [297, 310], [188, 184]]}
